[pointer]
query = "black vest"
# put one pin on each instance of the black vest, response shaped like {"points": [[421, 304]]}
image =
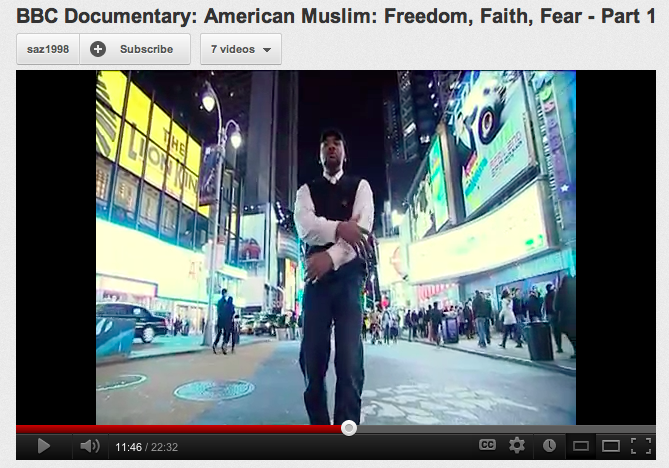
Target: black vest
{"points": [[333, 202]]}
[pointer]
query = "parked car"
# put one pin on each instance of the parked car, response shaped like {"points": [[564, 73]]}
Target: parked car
{"points": [[147, 325], [266, 324], [247, 323]]}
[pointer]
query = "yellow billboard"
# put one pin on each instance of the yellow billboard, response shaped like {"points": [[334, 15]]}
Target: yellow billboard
{"points": [[172, 156]]}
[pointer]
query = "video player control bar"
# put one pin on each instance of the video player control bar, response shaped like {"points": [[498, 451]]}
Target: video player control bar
{"points": [[336, 446]]}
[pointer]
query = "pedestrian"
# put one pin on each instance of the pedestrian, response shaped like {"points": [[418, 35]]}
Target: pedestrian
{"points": [[394, 327], [375, 327], [365, 327], [552, 316], [481, 315], [507, 316], [225, 312], [487, 304], [435, 319], [414, 325], [565, 306], [386, 327], [468, 314], [235, 331], [534, 305], [519, 312], [333, 216]]}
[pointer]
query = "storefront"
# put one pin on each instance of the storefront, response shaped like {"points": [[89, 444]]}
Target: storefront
{"points": [[510, 244], [444, 294], [537, 272], [136, 267]]}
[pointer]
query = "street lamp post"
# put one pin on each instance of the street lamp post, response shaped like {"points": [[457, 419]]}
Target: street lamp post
{"points": [[209, 102]]}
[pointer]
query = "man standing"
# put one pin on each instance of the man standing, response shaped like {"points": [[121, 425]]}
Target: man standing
{"points": [[333, 215]]}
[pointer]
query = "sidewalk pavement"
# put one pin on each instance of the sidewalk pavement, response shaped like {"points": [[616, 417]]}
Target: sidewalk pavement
{"points": [[170, 345], [562, 362]]}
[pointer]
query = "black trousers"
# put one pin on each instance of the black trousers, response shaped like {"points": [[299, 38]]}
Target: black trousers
{"points": [[227, 333], [336, 300], [508, 333]]}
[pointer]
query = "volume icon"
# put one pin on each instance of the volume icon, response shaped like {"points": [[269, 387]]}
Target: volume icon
{"points": [[91, 446]]}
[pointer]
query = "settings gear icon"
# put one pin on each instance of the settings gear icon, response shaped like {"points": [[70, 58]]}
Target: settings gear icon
{"points": [[517, 445]]}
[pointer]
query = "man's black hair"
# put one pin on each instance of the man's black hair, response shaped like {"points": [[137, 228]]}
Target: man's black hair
{"points": [[224, 292], [332, 132]]}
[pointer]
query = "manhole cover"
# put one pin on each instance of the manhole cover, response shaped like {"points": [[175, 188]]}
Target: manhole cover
{"points": [[207, 390], [122, 381]]}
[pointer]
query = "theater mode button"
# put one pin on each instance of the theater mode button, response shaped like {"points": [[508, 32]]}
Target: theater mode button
{"points": [[240, 49], [135, 49]]}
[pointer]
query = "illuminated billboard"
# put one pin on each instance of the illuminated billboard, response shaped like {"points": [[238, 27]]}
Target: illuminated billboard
{"points": [[422, 209], [389, 266], [489, 122], [290, 287], [512, 232], [149, 133], [252, 242], [137, 257], [438, 184]]}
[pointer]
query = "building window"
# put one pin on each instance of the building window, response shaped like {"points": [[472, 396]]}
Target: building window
{"points": [[148, 213], [223, 226], [227, 185], [235, 192], [233, 251], [201, 233], [186, 226], [168, 224], [102, 179], [125, 197], [233, 220]]}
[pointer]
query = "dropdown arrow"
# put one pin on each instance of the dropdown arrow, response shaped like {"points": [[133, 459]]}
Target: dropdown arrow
{"points": [[267, 49]]}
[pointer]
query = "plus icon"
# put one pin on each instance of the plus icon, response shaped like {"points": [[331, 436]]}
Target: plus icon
{"points": [[98, 49]]}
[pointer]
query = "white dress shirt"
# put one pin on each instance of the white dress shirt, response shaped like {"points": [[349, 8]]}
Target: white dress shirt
{"points": [[316, 230]]}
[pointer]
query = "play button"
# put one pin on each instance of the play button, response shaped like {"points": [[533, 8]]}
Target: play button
{"points": [[42, 446]]}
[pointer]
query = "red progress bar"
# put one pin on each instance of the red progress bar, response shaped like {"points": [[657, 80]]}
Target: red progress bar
{"points": [[190, 429]]}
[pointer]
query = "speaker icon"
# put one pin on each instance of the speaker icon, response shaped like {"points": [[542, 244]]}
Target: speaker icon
{"points": [[91, 446]]}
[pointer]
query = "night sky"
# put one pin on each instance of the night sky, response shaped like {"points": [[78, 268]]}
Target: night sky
{"points": [[351, 101]]}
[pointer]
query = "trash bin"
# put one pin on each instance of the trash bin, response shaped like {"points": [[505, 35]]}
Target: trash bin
{"points": [[451, 334], [539, 341]]}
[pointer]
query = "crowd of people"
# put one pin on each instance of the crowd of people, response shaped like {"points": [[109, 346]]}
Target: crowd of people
{"points": [[477, 317], [381, 323]]}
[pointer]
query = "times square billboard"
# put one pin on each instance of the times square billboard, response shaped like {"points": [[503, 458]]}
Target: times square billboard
{"points": [[489, 122]]}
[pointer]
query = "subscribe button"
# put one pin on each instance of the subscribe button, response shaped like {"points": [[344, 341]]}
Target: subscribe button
{"points": [[135, 49], [240, 49]]}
